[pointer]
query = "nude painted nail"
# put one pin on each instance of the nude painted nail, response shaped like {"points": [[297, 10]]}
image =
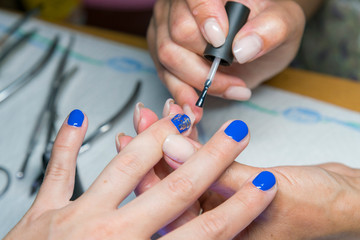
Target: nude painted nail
{"points": [[213, 32], [177, 148], [247, 48], [137, 115], [167, 105], [238, 93]]}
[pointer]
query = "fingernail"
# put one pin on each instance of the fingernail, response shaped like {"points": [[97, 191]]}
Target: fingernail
{"points": [[137, 115], [213, 32], [178, 148], [167, 105], [182, 122], [247, 48], [76, 118], [238, 93], [189, 112], [237, 130], [117, 140], [264, 181]]}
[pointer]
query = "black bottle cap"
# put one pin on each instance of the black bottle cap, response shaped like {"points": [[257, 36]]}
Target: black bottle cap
{"points": [[237, 14]]}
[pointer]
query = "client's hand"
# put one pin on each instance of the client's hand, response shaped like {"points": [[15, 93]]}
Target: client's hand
{"points": [[95, 214], [313, 202]]}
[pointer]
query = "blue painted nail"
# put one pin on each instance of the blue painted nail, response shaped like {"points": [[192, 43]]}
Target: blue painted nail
{"points": [[264, 181], [182, 122], [76, 118], [237, 130]]}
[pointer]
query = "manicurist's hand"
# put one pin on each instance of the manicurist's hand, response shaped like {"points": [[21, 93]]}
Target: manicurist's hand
{"points": [[95, 214], [180, 29]]}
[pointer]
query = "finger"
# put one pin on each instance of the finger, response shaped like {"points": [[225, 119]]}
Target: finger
{"points": [[178, 73], [341, 169], [234, 215], [184, 30], [121, 141], [160, 169], [184, 94], [127, 169], [178, 149], [57, 187], [210, 15], [143, 118], [276, 24], [184, 186]]}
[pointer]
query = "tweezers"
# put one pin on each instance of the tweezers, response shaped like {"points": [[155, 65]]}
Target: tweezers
{"points": [[30, 74], [13, 28], [48, 112]]}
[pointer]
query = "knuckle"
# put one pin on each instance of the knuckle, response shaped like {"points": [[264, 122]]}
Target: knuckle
{"points": [[167, 52], [280, 25], [57, 172], [201, 6], [63, 147], [213, 225], [184, 30], [216, 155], [181, 187], [129, 164]]}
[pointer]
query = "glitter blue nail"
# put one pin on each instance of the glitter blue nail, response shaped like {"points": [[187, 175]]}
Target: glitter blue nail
{"points": [[76, 118], [237, 130], [264, 181], [182, 122]]}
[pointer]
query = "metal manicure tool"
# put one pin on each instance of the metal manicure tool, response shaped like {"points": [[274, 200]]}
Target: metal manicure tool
{"points": [[101, 130], [237, 15], [109, 123], [21, 21], [30, 74], [48, 113], [6, 51]]}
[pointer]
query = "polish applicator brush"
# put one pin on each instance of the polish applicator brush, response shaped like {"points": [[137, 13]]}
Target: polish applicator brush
{"points": [[237, 14]]}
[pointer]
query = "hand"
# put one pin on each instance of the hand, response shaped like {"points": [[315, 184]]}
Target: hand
{"points": [[313, 202], [95, 214], [180, 29]]}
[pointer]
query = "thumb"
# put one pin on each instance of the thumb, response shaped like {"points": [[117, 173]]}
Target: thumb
{"points": [[210, 16]]}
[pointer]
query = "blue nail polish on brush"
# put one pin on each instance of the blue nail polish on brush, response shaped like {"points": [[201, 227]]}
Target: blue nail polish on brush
{"points": [[182, 122], [237, 130], [264, 181], [76, 118]]}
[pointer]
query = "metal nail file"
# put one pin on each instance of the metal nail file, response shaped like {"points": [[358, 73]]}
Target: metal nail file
{"points": [[237, 14]]}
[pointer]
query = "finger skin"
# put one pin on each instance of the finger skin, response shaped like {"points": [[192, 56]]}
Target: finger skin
{"points": [[184, 186], [127, 169], [229, 218], [277, 24], [57, 187], [202, 10]]}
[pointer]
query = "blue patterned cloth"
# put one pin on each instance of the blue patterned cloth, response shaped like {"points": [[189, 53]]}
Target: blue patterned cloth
{"points": [[331, 42]]}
